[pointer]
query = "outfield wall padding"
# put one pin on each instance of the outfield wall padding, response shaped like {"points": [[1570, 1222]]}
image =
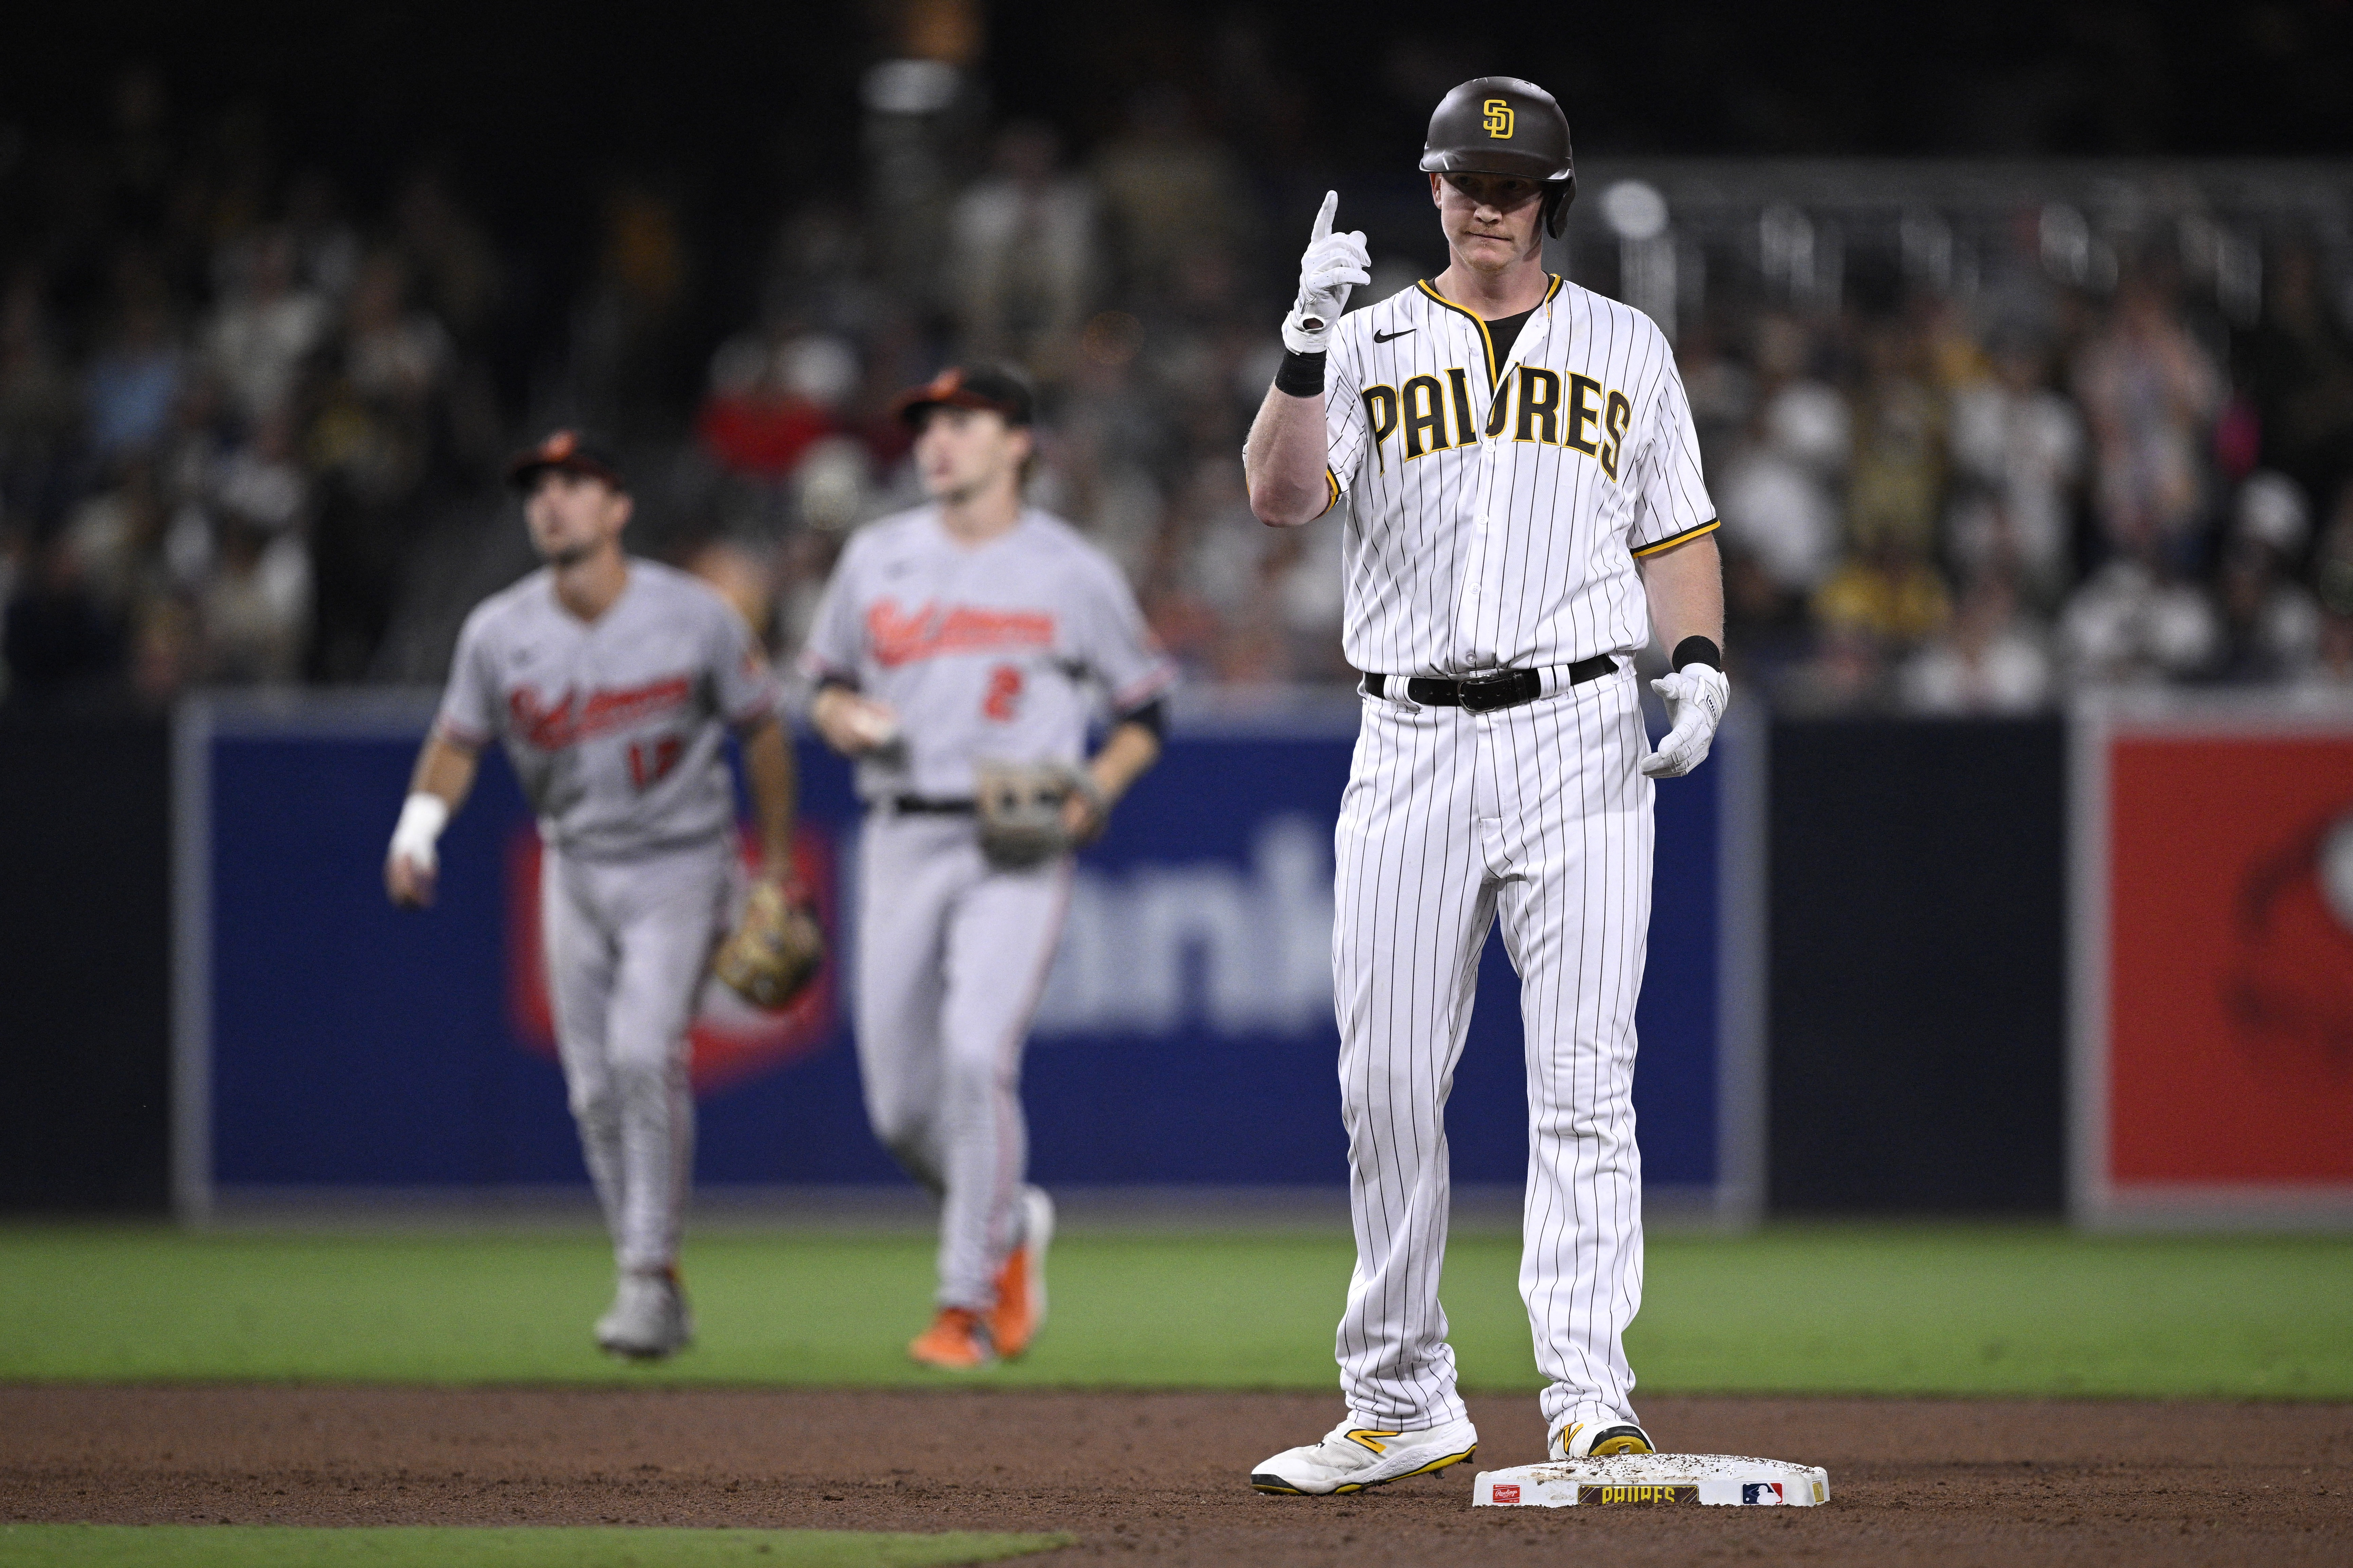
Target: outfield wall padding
{"points": [[85, 926], [1916, 1060], [1918, 966]]}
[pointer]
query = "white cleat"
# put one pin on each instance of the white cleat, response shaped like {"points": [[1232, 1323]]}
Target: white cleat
{"points": [[1599, 1439], [1356, 1455], [648, 1319]]}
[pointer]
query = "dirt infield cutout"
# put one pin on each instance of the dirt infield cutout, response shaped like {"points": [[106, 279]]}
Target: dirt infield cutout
{"points": [[1163, 1476], [522, 1546]]}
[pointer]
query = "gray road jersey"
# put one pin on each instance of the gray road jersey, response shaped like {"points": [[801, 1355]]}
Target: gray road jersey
{"points": [[995, 651], [615, 727], [1496, 503]]}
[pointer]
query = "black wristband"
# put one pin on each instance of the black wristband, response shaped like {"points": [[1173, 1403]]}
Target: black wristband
{"points": [[1697, 650], [1153, 716], [1301, 375]]}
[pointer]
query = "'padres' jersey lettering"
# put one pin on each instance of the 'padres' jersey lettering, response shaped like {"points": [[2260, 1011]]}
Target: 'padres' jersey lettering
{"points": [[1497, 503], [994, 650], [616, 727], [1596, 424]]}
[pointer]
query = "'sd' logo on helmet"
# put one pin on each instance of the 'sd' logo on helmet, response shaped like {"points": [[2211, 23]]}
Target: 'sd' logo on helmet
{"points": [[1499, 119]]}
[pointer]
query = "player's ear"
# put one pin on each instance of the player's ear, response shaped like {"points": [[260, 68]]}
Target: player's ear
{"points": [[1437, 197], [625, 506]]}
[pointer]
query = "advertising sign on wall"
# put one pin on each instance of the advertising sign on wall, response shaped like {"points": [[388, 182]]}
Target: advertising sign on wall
{"points": [[328, 1043], [2213, 964]]}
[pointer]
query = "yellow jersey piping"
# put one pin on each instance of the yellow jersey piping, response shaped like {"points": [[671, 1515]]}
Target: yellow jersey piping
{"points": [[1494, 370], [1685, 537]]}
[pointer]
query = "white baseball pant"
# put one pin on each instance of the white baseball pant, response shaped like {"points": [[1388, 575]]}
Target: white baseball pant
{"points": [[628, 945], [952, 957], [1450, 818]]}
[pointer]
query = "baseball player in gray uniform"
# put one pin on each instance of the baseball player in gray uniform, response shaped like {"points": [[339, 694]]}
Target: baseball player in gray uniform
{"points": [[612, 682], [960, 650], [1526, 509]]}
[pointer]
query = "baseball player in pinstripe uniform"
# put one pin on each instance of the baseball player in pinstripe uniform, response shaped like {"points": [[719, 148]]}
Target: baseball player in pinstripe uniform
{"points": [[961, 647], [613, 682], [1525, 508]]}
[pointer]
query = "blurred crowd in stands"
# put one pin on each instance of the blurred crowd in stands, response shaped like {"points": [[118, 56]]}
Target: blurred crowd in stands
{"points": [[249, 434], [225, 404], [1949, 510]]}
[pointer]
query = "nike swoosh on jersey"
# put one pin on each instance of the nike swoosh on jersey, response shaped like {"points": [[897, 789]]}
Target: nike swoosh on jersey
{"points": [[1380, 337]]}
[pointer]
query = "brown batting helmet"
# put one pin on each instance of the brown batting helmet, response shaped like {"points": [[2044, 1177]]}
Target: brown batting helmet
{"points": [[1502, 125]]}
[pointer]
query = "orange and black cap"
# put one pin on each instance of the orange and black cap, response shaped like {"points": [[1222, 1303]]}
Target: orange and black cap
{"points": [[985, 386], [570, 451]]}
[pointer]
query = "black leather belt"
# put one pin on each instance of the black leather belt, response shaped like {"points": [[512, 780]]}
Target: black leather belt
{"points": [[931, 805], [1485, 693]]}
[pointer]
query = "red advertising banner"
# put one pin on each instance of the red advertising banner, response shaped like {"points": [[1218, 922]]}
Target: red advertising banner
{"points": [[2214, 910]]}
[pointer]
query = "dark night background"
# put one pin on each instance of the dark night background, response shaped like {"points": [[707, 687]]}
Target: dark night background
{"points": [[739, 109]]}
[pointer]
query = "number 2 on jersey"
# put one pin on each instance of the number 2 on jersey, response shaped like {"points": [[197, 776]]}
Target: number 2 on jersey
{"points": [[1004, 697], [649, 762]]}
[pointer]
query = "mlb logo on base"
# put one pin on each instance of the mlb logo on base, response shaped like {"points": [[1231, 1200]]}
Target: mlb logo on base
{"points": [[1761, 1492]]}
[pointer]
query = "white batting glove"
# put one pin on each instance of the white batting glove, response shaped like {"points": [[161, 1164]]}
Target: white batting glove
{"points": [[1333, 264], [1695, 696]]}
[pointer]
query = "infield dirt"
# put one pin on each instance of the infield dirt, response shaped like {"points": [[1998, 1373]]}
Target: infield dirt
{"points": [[1161, 1476]]}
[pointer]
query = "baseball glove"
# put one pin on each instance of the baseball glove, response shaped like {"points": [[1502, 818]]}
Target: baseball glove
{"points": [[775, 951], [1020, 806]]}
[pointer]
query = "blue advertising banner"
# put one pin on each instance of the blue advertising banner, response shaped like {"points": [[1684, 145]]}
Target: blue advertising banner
{"points": [[329, 1041]]}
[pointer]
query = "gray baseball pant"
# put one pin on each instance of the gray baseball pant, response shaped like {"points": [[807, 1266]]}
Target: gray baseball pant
{"points": [[952, 956], [628, 945]]}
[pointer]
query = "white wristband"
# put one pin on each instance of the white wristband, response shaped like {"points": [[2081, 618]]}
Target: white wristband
{"points": [[422, 817]]}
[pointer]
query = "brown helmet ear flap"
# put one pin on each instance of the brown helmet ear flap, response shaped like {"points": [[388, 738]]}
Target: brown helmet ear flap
{"points": [[1556, 198]]}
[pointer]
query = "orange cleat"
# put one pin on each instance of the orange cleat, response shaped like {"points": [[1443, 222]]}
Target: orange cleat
{"points": [[1021, 1283], [957, 1341]]}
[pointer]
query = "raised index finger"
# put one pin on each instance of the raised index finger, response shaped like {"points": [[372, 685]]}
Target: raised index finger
{"points": [[1323, 229]]}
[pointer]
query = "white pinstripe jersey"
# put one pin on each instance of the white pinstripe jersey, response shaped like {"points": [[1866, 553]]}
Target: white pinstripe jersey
{"points": [[1496, 509]]}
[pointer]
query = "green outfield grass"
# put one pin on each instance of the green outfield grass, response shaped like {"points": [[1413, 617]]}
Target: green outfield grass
{"points": [[1831, 1309], [272, 1546]]}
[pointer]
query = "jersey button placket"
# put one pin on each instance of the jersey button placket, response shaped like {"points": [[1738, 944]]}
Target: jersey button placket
{"points": [[1490, 558], [1474, 577], [1476, 591], [1486, 786]]}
